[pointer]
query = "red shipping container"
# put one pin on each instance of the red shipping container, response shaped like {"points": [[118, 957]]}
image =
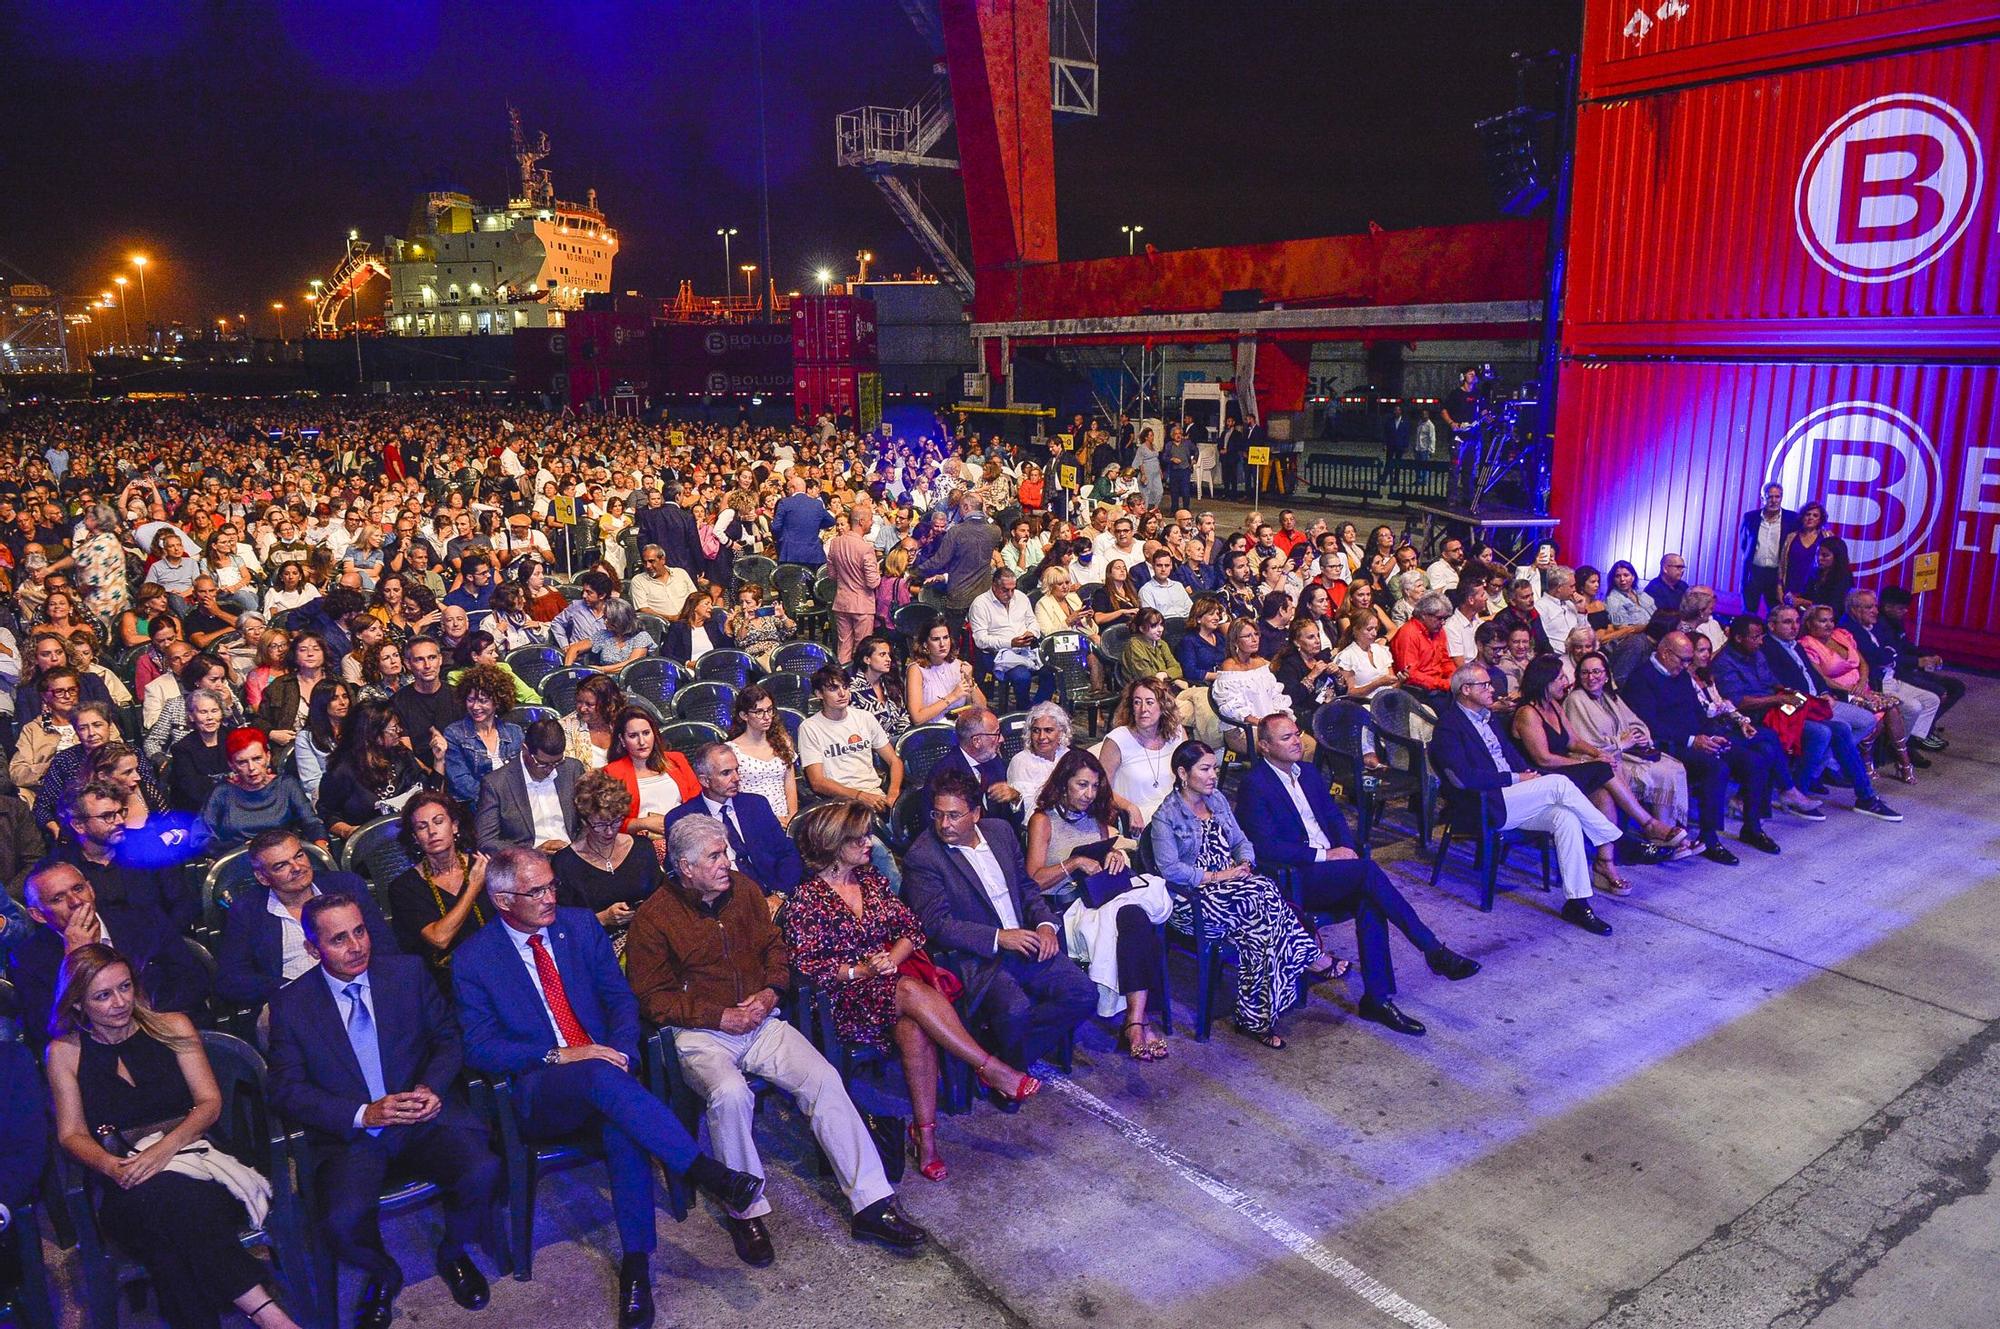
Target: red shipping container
{"points": [[833, 389], [834, 330], [718, 359], [1633, 46], [1658, 457], [1842, 212], [541, 360]]}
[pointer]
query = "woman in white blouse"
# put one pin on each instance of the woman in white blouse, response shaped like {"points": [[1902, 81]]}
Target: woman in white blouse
{"points": [[1048, 738], [1145, 730], [1245, 690], [1367, 667]]}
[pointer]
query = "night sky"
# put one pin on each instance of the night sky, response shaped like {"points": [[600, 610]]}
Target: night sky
{"points": [[235, 143]]}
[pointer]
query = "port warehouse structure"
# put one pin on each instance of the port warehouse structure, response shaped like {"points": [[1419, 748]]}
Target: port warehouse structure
{"points": [[1784, 265]]}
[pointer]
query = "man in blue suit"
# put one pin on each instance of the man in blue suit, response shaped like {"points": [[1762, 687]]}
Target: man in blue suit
{"points": [[796, 523], [1291, 820], [541, 998], [264, 941], [1760, 539], [977, 757], [758, 846], [364, 1050]]}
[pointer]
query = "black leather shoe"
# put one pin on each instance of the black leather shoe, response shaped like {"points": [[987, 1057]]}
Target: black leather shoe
{"points": [[752, 1241], [736, 1191], [1716, 853], [378, 1303], [1760, 839], [635, 1293], [1580, 913], [1929, 743], [883, 1223], [463, 1279], [1919, 760], [1448, 963], [1384, 1013]]}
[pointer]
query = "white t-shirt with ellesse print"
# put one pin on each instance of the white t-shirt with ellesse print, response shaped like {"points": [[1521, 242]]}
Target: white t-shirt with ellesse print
{"points": [[844, 747]]}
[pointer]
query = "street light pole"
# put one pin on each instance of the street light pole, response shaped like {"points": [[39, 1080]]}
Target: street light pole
{"points": [[124, 321], [279, 307], [748, 269], [725, 233], [1131, 239], [145, 305]]}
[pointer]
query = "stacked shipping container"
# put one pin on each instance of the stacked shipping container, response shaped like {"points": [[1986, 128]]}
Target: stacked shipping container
{"points": [[836, 366], [1785, 264]]}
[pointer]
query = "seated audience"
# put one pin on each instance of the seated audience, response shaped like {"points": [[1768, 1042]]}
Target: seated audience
{"points": [[1245, 690], [977, 754], [66, 915], [479, 742], [1304, 665], [766, 761], [372, 772], [839, 746], [1863, 624], [1292, 822], [1917, 667], [1048, 735], [1832, 650], [1598, 715], [1004, 633], [758, 847], [604, 869], [1483, 772], [587, 730], [1110, 926], [537, 988], [365, 1056], [1421, 651], [255, 798], [326, 720], [963, 875], [658, 778], [132, 1087], [938, 683], [95, 724], [1145, 728], [115, 859], [264, 938], [877, 687], [721, 1003], [1203, 853], [531, 800], [439, 900]]}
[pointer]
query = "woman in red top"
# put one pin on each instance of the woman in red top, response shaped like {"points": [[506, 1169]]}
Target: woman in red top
{"points": [[1030, 495], [658, 778]]}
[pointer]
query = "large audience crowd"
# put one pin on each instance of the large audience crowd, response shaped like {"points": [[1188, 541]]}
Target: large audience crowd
{"points": [[775, 749]]}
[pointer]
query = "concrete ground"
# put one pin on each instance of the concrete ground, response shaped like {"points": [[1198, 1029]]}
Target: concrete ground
{"points": [[1772, 1098]]}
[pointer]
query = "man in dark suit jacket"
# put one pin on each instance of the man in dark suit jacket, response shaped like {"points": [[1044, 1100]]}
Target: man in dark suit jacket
{"points": [[758, 845], [264, 943], [364, 1051], [1289, 817], [506, 812], [65, 905], [24, 1145], [1760, 539], [969, 886], [671, 527], [977, 757], [541, 998], [1483, 771]]}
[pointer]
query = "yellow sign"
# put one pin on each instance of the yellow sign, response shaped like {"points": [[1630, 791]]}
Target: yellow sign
{"points": [[1925, 577], [1260, 456], [1069, 477], [869, 389], [565, 510]]}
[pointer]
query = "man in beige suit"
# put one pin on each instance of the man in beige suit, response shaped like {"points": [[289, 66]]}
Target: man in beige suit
{"points": [[856, 571]]}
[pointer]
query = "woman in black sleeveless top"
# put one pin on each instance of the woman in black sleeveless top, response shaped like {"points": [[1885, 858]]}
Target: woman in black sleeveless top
{"points": [[119, 1072]]}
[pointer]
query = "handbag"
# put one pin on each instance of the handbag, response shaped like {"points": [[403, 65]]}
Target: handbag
{"points": [[1101, 888], [920, 966]]}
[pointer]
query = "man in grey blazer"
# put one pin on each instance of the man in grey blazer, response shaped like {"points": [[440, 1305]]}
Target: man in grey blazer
{"points": [[969, 885], [531, 801]]}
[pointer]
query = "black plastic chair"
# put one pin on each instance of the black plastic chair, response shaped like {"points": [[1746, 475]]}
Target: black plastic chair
{"points": [[912, 620], [1466, 818], [801, 657], [656, 679], [793, 719], [709, 701], [921, 748], [526, 1159], [752, 570], [688, 737], [375, 852], [1338, 728], [906, 820], [1068, 655], [527, 715], [245, 1131], [1013, 734], [726, 665], [791, 690], [654, 626], [531, 664], [558, 687]]}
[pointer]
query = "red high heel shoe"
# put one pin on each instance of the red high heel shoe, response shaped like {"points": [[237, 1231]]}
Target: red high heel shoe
{"points": [[1024, 1089], [935, 1170]]}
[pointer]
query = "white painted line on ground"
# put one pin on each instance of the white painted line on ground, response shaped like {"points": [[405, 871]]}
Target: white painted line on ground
{"points": [[1355, 1280]]}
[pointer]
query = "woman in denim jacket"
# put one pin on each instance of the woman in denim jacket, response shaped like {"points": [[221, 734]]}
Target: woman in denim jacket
{"points": [[1197, 846]]}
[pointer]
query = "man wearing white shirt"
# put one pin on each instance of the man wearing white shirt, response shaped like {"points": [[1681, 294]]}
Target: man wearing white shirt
{"points": [[1119, 543], [968, 884], [1163, 592], [531, 801], [1443, 574], [1557, 605], [1468, 611], [660, 589], [1005, 632]]}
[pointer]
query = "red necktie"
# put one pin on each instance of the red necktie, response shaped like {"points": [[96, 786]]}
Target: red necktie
{"points": [[567, 1024]]}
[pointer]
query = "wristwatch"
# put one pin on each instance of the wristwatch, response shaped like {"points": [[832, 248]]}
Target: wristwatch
{"points": [[553, 1057]]}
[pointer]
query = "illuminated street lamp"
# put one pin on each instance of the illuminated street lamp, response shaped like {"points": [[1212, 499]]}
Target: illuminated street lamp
{"points": [[278, 307], [124, 321], [747, 269], [824, 276], [1131, 239], [725, 233], [139, 261]]}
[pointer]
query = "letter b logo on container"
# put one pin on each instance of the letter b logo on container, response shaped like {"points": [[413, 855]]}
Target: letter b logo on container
{"points": [[1888, 188], [1875, 469]]}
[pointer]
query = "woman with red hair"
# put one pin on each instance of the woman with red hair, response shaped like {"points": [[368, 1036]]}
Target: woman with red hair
{"points": [[255, 798], [658, 778]]}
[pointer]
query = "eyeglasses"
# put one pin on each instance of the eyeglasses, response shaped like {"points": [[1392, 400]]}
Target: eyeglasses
{"points": [[539, 893], [767, 708]]}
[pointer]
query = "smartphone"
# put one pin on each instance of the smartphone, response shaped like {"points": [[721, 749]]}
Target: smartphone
{"points": [[765, 611]]}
